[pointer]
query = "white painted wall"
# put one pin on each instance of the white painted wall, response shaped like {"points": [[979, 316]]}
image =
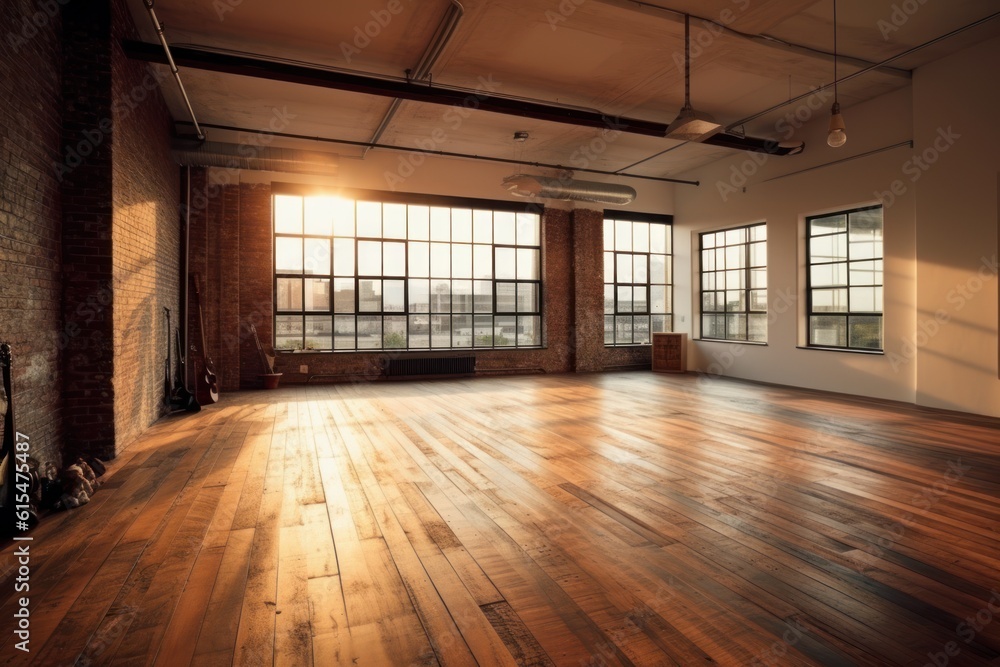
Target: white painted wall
{"points": [[940, 234], [956, 207]]}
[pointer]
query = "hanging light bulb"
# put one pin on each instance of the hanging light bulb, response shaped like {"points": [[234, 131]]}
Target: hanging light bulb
{"points": [[837, 136]]}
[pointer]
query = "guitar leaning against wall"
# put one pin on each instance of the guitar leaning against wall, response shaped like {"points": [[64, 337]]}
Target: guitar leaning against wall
{"points": [[206, 382]]}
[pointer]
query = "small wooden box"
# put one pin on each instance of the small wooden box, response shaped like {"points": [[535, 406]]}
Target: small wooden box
{"points": [[670, 352]]}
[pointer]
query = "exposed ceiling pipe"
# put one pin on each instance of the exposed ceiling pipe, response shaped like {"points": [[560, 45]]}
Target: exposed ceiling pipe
{"points": [[173, 66], [261, 158], [468, 156], [312, 75], [568, 189], [442, 37]]}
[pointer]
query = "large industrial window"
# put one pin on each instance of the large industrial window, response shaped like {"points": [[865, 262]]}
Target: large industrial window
{"points": [[363, 274], [637, 278], [734, 284], [845, 279]]}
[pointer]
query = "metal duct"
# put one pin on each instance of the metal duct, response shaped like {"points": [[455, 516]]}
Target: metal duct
{"points": [[526, 185], [259, 158]]}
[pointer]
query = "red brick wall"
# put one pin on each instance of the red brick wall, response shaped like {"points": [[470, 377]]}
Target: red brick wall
{"points": [[30, 217], [145, 237], [573, 284]]}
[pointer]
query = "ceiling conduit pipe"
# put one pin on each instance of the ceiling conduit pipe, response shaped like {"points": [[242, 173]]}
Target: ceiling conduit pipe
{"points": [[424, 68], [173, 66]]}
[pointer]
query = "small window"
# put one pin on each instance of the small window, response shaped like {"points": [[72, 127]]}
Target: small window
{"points": [[638, 280], [845, 279], [734, 284]]}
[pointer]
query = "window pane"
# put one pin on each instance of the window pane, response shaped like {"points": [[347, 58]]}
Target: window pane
{"points": [[319, 215], [640, 329], [708, 281], [288, 255], [624, 299], [758, 300], [394, 332], [658, 324], [506, 268], [609, 299], [369, 219], [482, 223], [623, 329], [483, 296], [505, 331], [484, 331], [418, 223], [319, 332], [506, 297], [757, 331], [343, 296], [288, 332], [504, 230], [736, 279], [865, 332], [866, 273], [623, 235], [287, 214], [828, 248], [609, 234], [658, 238], [736, 236], [758, 254], [758, 233], [440, 331], [736, 301], [640, 236], [461, 295], [419, 257], [440, 224], [758, 278], [343, 217], [828, 275], [529, 229], [713, 326], [828, 330], [317, 294], [393, 296], [369, 258], [461, 330], [440, 260], [658, 299], [394, 221], [707, 260], [461, 225], [609, 267], [658, 270], [440, 296], [529, 330], [369, 332], [866, 299], [289, 294], [370, 296], [394, 259], [419, 297], [827, 225], [483, 262], [343, 332], [527, 264], [317, 258], [829, 301], [609, 330], [461, 261], [343, 257], [640, 300], [624, 268], [640, 274], [527, 298], [736, 326], [708, 302], [419, 331]]}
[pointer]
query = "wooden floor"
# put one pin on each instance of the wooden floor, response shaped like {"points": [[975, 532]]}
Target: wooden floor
{"points": [[613, 519]]}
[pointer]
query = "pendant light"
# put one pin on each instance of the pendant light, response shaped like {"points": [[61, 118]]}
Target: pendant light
{"points": [[690, 125], [837, 136]]}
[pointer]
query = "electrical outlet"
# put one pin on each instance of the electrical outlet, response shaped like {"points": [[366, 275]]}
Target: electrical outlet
{"points": [[303, 368]]}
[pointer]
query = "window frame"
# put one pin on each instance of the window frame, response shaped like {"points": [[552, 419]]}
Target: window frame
{"points": [[407, 199], [847, 261], [747, 290], [649, 218]]}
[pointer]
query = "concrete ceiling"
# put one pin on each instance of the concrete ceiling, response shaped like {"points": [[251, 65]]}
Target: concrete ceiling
{"points": [[617, 56]]}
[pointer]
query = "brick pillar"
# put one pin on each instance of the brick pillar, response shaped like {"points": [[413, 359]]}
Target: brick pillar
{"points": [[588, 287], [256, 297], [86, 185]]}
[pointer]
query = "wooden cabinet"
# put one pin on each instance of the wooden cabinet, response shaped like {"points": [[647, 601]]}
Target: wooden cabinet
{"points": [[670, 352]]}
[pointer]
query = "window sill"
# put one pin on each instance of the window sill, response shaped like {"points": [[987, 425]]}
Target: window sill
{"points": [[732, 342], [438, 351], [877, 353], [625, 346]]}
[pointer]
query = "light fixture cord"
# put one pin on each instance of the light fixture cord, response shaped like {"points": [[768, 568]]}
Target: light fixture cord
{"points": [[687, 59], [836, 97]]}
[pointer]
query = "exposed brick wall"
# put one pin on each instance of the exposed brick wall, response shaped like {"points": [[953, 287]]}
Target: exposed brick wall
{"points": [[30, 217], [88, 309], [573, 284], [145, 238]]}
